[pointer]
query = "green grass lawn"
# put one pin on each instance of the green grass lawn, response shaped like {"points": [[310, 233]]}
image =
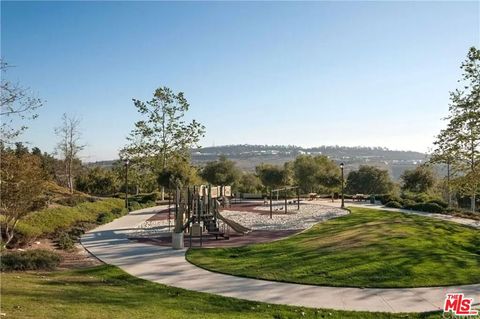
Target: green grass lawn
{"points": [[107, 292], [367, 248]]}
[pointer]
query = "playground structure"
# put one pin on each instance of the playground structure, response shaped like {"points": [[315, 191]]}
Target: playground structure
{"points": [[285, 192], [197, 210]]}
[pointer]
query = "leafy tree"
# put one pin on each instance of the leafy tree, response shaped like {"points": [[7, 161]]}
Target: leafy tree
{"points": [[316, 173], [462, 135], [249, 183], [20, 149], [69, 146], [36, 151], [288, 173], [163, 133], [141, 177], [98, 181], [178, 173], [221, 172], [445, 153], [418, 180], [271, 176], [48, 164], [16, 103], [369, 180], [21, 182]]}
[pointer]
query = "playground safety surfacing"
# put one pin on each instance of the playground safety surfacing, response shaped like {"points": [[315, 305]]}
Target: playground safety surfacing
{"points": [[235, 240]]}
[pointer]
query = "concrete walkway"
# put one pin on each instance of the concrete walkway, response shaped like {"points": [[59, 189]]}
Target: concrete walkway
{"points": [[166, 266]]}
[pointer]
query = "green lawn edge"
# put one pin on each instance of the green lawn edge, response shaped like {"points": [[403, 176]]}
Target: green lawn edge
{"points": [[108, 292], [459, 253]]}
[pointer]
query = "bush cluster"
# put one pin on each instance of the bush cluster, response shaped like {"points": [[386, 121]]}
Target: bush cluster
{"points": [[427, 207], [36, 259], [414, 201], [107, 217], [136, 202], [66, 241], [385, 198], [439, 202], [393, 204]]}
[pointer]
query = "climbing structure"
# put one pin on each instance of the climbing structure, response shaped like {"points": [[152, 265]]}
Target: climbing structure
{"points": [[197, 213]]}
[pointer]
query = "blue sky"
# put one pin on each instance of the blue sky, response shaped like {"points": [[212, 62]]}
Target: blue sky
{"points": [[303, 73]]}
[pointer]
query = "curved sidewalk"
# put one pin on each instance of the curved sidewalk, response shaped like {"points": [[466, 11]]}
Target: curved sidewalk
{"points": [[164, 265]]}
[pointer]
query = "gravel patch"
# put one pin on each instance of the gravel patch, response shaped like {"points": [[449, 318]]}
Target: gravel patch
{"points": [[151, 228], [306, 217]]}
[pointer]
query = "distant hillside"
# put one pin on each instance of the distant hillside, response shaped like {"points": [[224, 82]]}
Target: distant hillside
{"points": [[249, 156]]}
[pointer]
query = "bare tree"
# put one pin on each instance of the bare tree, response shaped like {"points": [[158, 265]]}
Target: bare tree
{"points": [[16, 103], [69, 145]]}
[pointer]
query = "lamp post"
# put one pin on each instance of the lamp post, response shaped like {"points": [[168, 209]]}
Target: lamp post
{"points": [[126, 183], [343, 197]]}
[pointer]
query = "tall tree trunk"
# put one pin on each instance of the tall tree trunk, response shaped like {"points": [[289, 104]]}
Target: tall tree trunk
{"points": [[472, 203], [70, 178], [66, 174], [9, 232], [472, 168], [164, 151], [449, 196]]}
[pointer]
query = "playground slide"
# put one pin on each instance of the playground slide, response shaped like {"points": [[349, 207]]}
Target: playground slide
{"points": [[233, 225]]}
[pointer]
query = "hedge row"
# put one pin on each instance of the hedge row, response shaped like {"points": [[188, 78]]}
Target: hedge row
{"points": [[408, 199], [422, 207]]}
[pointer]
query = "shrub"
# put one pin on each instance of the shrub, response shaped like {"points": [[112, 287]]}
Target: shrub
{"points": [[389, 198], [36, 259], [421, 198], [40, 203], [148, 198], [417, 197], [407, 203], [104, 218], [80, 228], [144, 198], [428, 207], [118, 211], [439, 202], [66, 241], [136, 206], [133, 205], [381, 198], [451, 210], [393, 204]]}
